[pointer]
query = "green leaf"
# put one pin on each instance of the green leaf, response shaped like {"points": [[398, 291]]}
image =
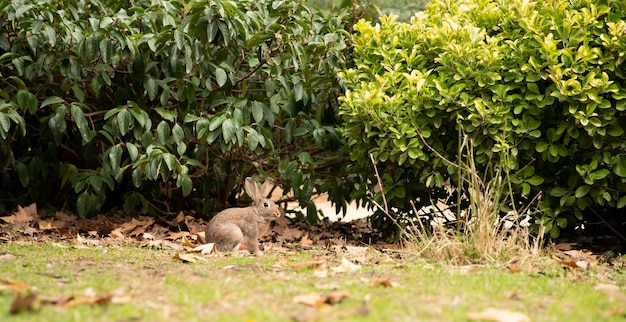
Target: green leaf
{"points": [[115, 156], [220, 76], [582, 191], [257, 111], [621, 202], [178, 133], [27, 100], [619, 165], [52, 100], [133, 152], [535, 180], [23, 174], [151, 88], [558, 191], [81, 122], [163, 132], [83, 204]]}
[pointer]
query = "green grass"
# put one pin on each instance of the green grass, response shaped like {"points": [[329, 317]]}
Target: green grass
{"points": [[159, 288]]}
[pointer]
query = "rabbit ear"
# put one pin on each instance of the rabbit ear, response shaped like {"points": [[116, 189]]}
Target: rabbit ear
{"points": [[252, 190], [265, 189]]}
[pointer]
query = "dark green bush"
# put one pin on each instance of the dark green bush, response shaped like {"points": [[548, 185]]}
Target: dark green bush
{"points": [[537, 86], [145, 102]]}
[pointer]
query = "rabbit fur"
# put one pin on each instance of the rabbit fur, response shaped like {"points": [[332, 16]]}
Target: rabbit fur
{"points": [[235, 226]]}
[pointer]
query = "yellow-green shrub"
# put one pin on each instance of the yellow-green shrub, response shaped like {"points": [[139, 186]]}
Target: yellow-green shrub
{"points": [[537, 85]]}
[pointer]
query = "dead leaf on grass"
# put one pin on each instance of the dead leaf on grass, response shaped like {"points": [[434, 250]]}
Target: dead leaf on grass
{"points": [[465, 269], [292, 233], [189, 257], [611, 290], [89, 300], [498, 315], [308, 264], [177, 235], [357, 253], [318, 300], [24, 303], [385, 282], [136, 227], [205, 249], [6, 285], [346, 266], [6, 256], [81, 242]]}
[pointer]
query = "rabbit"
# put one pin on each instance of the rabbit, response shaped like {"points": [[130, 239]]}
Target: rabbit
{"points": [[235, 226]]}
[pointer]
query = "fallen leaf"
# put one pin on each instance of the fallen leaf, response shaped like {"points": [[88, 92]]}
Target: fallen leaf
{"points": [[498, 315], [23, 303], [305, 241], [465, 269], [6, 256], [6, 285], [45, 225], [292, 233], [116, 233], [385, 282], [346, 266], [321, 271], [187, 243], [564, 246], [188, 257], [178, 235], [308, 264], [205, 249], [22, 216], [88, 300], [317, 300]]}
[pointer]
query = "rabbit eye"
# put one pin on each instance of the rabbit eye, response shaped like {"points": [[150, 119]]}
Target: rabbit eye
{"points": [[265, 204]]}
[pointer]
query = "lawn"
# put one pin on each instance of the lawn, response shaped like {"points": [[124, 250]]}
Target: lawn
{"points": [[80, 281]]}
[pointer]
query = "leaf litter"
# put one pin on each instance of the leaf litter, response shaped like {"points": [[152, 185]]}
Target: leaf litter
{"points": [[185, 236]]}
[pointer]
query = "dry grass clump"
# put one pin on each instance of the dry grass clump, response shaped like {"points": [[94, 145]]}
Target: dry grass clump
{"points": [[490, 230]]}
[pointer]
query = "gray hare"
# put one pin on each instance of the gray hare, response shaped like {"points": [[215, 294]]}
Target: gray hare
{"points": [[235, 226]]}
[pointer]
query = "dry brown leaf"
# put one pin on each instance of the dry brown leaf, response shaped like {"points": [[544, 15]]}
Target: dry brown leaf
{"points": [[178, 235], [23, 303], [136, 227], [498, 315], [309, 264], [346, 266], [573, 264], [22, 216], [6, 256], [385, 282], [317, 300], [187, 243], [179, 218], [188, 257], [465, 269], [88, 300], [292, 233], [321, 271], [305, 241], [45, 225], [6, 285], [205, 249], [116, 233], [564, 246]]}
